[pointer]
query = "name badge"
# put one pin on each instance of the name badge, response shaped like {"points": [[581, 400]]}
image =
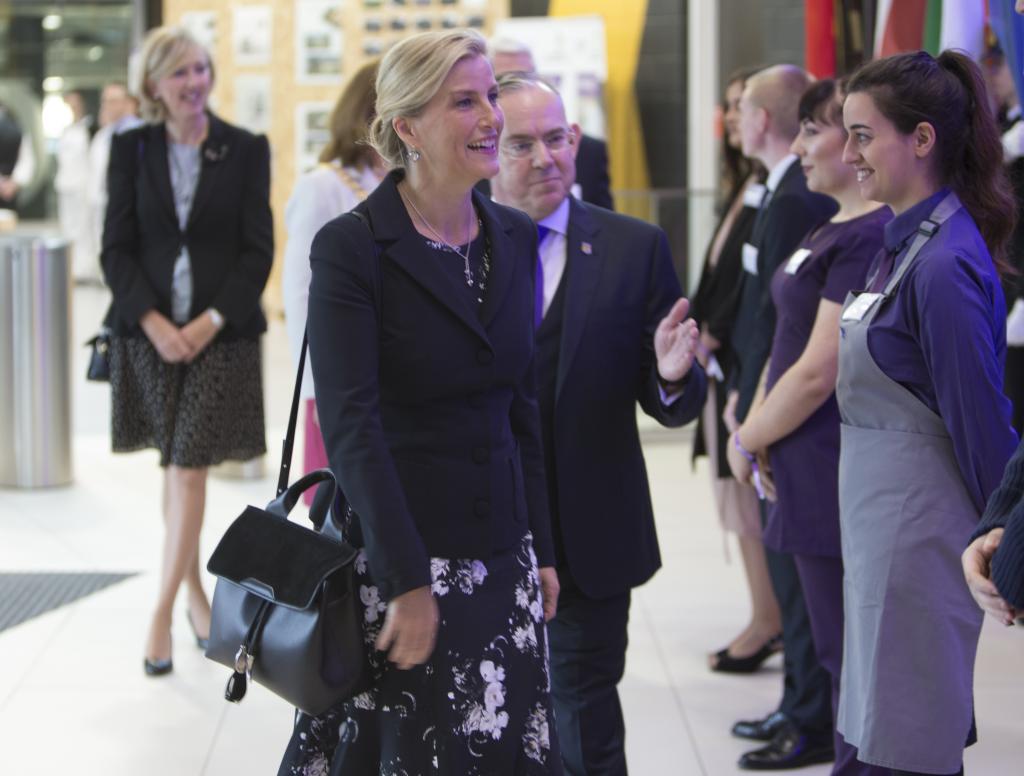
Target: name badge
{"points": [[796, 260], [750, 258], [753, 195], [860, 306]]}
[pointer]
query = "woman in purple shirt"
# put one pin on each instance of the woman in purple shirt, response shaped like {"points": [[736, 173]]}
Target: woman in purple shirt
{"points": [[798, 421], [926, 427]]}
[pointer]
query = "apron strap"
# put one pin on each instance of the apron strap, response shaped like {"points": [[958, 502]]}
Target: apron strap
{"points": [[942, 213]]}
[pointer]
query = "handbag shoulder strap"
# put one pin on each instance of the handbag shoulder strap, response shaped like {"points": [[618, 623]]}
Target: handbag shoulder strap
{"points": [[289, 439]]}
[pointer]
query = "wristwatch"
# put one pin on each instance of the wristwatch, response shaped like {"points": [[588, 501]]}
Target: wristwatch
{"points": [[216, 317]]}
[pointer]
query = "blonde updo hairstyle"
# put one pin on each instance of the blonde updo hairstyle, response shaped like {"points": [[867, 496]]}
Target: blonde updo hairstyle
{"points": [[410, 75], [163, 51]]}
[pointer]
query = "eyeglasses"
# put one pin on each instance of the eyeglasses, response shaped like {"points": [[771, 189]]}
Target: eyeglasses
{"points": [[523, 147]]}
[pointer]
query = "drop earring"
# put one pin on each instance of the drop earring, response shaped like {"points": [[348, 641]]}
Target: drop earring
{"points": [[413, 155]]}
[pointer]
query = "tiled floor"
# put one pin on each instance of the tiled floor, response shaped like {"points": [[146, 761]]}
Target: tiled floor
{"points": [[73, 699]]}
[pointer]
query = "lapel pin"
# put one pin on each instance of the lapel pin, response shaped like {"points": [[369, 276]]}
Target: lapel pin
{"points": [[586, 248]]}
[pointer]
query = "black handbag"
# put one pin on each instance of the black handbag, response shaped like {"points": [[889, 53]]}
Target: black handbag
{"points": [[99, 360], [286, 612]]}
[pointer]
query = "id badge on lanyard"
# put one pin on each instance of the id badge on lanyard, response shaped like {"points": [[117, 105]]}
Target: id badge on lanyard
{"points": [[860, 306]]}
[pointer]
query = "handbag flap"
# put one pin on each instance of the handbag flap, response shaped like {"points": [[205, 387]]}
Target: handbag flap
{"points": [[276, 559]]}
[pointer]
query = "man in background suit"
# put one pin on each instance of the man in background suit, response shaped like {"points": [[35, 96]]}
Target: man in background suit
{"points": [[800, 731], [511, 56], [611, 333]]}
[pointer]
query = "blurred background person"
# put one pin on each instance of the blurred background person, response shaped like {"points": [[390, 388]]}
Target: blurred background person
{"points": [[349, 170], [187, 250], [714, 308], [72, 186], [17, 160], [118, 112], [798, 420]]}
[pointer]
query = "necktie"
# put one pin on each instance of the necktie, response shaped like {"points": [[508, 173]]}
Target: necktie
{"points": [[538, 297]]}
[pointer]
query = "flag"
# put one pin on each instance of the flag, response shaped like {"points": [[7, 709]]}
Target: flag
{"points": [[934, 25], [819, 38]]}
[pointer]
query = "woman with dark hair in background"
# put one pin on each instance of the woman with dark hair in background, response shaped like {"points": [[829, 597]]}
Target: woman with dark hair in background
{"points": [[349, 170], [714, 308], [926, 428], [798, 421]]}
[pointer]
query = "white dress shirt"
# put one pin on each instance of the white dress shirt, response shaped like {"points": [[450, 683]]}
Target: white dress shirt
{"points": [[553, 250]]}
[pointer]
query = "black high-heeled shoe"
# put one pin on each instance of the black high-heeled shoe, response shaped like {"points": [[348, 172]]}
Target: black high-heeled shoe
{"points": [[202, 643], [727, 664], [157, 667]]}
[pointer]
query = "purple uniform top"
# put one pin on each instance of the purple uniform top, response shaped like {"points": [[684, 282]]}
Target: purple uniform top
{"points": [[805, 464], [943, 338]]}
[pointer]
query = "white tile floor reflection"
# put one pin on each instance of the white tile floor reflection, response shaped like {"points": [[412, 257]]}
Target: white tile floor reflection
{"points": [[73, 698]]}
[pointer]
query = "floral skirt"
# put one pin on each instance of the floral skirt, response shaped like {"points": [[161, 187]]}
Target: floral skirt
{"points": [[480, 706]]}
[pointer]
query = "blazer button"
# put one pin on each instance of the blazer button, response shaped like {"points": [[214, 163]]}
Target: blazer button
{"points": [[480, 455], [482, 508], [484, 357]]}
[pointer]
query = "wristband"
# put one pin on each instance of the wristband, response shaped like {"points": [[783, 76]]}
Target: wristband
{"points": [[752, 459], [216, 317]]}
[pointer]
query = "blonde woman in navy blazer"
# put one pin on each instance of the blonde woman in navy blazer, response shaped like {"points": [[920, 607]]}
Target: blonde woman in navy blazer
{"points": [[420, 329], [187, 249]]}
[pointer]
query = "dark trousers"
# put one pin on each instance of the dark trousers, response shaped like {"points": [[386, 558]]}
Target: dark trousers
{"points": [[588, 640], [822, 581], [807, 689], [1013, 384]]}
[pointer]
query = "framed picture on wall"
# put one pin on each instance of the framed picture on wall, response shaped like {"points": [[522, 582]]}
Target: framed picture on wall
{"points": [[312, 131], [319, 41]]}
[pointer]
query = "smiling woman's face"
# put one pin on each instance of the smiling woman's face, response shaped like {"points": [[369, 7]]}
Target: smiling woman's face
{"points": [[883, 158], [185, 90]]}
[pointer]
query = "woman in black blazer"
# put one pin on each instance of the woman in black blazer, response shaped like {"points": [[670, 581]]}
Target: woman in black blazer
{"points": [[715, 306], [420, 328], [187, 249]]}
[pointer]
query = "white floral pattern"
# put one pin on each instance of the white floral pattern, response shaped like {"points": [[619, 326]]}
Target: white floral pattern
{"points": [[479, 707]]}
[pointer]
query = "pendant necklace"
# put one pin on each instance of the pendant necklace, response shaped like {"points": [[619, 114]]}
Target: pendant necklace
{"points": [[437, 234]]}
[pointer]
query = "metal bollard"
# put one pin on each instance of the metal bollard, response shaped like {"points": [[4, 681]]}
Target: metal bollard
{"points": [[35, 362]]}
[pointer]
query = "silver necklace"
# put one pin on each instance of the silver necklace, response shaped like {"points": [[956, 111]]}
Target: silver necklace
{"points": [[437, 234]]}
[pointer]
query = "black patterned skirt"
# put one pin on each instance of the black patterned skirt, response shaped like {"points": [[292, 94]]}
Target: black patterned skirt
{"points": [[479, 707], [197, 414]]}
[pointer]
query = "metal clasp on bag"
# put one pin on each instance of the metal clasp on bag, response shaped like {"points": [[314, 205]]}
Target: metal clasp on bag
{"points": [[244, 661]]}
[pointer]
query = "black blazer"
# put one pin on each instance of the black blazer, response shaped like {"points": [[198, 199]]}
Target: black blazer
{"points": [[779, 228], [715, 305], [619, 284], [592, 172], [230, 231], [428, 405]]}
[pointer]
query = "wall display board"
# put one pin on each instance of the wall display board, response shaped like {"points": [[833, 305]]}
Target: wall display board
{"points": [[281, 64]]}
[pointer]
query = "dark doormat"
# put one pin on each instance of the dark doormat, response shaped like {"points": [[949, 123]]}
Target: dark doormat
{"points": [[24, 596]]}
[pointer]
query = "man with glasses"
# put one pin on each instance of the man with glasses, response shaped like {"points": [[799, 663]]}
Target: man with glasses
{"points": [[611, 332]]}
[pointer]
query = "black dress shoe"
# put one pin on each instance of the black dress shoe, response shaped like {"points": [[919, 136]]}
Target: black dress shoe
{"points": [[789, 749], [727, 664], [157, 667], [761, 729]]}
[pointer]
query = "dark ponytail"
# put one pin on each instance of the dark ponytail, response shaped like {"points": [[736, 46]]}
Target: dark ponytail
{"points": [[949, 93]]}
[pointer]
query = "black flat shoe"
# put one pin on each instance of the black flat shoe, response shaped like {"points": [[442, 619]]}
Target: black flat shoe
{"points": [[789, 749], [157, 667], [202, 643], [764, 729], [727, 664]]}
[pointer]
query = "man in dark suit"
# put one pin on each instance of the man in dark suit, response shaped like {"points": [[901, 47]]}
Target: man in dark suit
{"points": [[800, 731], [592, 182], [611, 333]]}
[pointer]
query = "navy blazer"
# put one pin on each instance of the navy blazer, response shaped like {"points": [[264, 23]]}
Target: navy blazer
{"points": [[427, 404], [229, 234], [620, 283], [779, 228], [592, 172]]}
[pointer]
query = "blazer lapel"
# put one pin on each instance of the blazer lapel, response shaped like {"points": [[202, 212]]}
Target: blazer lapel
{"points": [[158, 166], [585, 261], [401, 243], [212, 154], [502, 258]]}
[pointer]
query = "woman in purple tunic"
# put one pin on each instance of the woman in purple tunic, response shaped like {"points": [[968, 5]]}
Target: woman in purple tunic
{"points": [[926, 428], [798, 421]]}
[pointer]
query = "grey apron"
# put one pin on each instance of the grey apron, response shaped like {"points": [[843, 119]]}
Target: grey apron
{"points": [[912, 628]]}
